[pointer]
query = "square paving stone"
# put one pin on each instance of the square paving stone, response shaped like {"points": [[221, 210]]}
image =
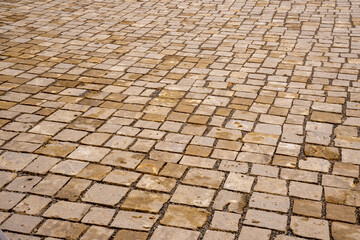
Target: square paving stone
{"points": [[134, 220], [41, 165], [269, 202], [21, 223], [185, 217], [69, 167], [144, 201], [150, 166], [50, 185], [104, 194], [70, 135], [196, 196], [156, 183], [95, 232], [232, 201], [307, 208], [92, 217], [266, 219], [123, 159], [67, 210], [225, 221], [23, 183], [346, 231], [32, 205], [122, 177], [61, 229], [15, 161], [94, 172], [165, 233], [8, 200], [89, 153], [131, 235], [6, 177], [239, 182], [215, 235], [73, 189], [203, 177], [57, 149], [310, 227], [63, 116], [48, 128], [251, 233]]}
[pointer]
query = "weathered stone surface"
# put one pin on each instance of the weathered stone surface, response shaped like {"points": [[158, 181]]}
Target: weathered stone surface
{"points": [[269, 202], [307, 208], [326, 117], [252, 233], [261, 138], [232, 201], [134, 220], [15, 161], [239, 182], [61, 229], [193, 196], [179, 119], [265, 219], [310, 227], [21, 223], [329, 153], [203, 177], [67, 210], [95, 232], [163, 233], [225, 221], [144, 201], [186, 217], [104, 194], [344, 231]]}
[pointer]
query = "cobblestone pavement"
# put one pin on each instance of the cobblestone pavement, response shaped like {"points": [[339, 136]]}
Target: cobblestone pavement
{"points": [[180, 119]]}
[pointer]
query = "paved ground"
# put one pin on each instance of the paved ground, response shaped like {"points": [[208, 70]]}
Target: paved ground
{"points": [[180, 119]]}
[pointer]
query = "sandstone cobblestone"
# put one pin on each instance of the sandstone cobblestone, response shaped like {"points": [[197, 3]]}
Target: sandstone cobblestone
{"points": [[179, 119]]}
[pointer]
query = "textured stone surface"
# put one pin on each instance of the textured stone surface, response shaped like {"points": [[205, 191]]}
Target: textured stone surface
{"points": [[186, 217], [179, 119], [310, 227]]}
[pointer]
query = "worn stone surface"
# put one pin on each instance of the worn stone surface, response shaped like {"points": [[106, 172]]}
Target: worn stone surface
{"points": [[252, 233], [193, 196], [134, 220], [265, 219], [225, 221], [145, 201], [67, 210], [21, 223], [104, 194], [345, 231], [179, 119], [163, 233], [310, 227], [186, 217], [61, 229]]}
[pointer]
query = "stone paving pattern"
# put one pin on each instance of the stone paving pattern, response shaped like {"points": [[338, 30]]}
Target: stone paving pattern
{"points": [[180, 119]]}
